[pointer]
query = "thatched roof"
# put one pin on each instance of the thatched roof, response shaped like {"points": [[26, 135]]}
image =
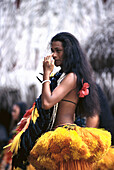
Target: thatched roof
{"points": [[100, 50]]}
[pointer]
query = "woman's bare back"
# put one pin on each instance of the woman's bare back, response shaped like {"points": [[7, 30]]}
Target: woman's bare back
{"points": [[66, 109]]}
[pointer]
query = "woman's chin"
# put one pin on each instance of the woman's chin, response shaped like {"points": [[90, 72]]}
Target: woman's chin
{"points": [[57, 64]]}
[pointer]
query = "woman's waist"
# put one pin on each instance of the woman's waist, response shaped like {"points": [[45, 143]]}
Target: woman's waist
{"points": [[63, 120], [64, 116], [63, 125]]}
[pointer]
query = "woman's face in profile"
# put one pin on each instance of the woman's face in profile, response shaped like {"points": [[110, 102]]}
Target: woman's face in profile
{"points": [[58, 51], [15, 112]]}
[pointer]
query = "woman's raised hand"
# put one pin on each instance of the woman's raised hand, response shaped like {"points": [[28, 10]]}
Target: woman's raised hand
{"points": [[48, 64]]}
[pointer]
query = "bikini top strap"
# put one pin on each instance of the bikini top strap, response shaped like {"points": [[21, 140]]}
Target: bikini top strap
{"points": [[69, 101]]}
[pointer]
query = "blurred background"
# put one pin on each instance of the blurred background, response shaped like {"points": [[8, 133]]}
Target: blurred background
{"points": [[26, 27]]}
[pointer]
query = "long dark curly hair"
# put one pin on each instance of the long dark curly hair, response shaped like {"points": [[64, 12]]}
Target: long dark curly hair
{"points": [[74, 60]]}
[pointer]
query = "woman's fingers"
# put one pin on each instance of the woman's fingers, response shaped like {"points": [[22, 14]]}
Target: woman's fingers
{"points": [[48, 58], [52, 61], [44, 59], [48, 63]]}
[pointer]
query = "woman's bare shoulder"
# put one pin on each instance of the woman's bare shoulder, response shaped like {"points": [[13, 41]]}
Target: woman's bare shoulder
{"points": [[70, 80], [72, 77]]}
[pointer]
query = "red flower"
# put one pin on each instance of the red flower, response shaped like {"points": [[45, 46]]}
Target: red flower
{"points": [[84, 91]]}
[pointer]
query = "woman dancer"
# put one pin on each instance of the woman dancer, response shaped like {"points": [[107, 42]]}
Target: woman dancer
{"points": [[71, 89]]}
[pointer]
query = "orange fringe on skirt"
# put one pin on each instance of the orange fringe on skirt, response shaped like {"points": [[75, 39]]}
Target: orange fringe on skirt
{"points": [[69, 165], [75, 165]]}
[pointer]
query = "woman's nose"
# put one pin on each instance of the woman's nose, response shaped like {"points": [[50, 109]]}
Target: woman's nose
{"points": [[54, 54]]}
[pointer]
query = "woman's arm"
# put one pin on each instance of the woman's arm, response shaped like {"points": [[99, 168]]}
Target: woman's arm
{"points": [[50, 99], [93, 121]]}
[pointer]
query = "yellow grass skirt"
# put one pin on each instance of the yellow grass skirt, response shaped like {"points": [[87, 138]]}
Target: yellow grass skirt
{"points": [[70, 147], [107, 162]]}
